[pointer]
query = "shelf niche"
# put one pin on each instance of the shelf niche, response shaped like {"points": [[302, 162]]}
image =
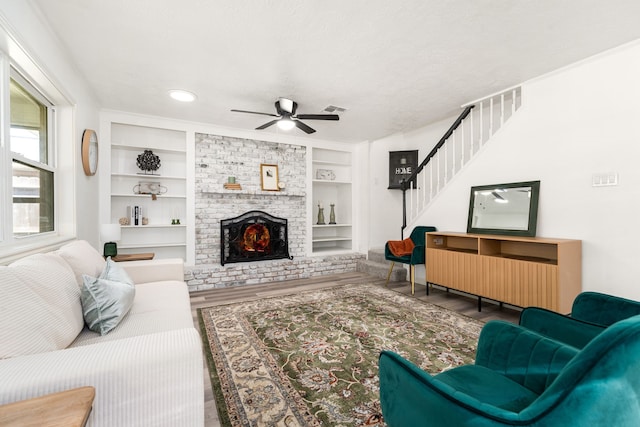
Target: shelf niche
{"points": [[331, 182], [159, 235]]}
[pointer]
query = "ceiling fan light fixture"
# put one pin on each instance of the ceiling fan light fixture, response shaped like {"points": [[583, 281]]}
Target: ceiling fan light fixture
{"points": [[286, 104], [287, 118], [286, 124], [182, 95]]}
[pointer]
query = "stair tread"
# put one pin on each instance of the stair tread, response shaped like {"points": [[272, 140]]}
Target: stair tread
{"points": [[381, 269], [397, 266], [377, 254]]}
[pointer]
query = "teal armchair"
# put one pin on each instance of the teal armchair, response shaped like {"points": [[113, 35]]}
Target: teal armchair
{"points": [[603, 309], [521, 378], [416, 258], [591, 313]]}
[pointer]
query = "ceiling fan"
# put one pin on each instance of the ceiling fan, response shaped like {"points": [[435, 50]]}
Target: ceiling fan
{"points": [[287, 118]]}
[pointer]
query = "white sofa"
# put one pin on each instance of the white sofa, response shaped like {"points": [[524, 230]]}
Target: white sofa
{"points": [[147, 371]]}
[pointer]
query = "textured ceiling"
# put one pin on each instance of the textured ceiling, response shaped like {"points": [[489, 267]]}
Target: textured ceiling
{"points": [[395, 66]]}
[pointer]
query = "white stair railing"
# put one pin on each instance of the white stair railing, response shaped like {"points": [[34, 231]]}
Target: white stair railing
{"points": [[471, 131]]}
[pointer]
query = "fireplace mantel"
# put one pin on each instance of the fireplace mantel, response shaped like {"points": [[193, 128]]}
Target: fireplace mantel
{"points": [[249, 192]]}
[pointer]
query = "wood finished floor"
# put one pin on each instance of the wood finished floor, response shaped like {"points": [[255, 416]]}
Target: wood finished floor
{"points": [[464, 304]]}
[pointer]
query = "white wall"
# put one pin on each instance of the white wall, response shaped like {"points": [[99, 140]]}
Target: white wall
{"points": [[385, 212], [24, 23], [574, 123]]}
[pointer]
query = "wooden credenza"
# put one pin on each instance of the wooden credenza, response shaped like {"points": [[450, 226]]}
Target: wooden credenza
{"points": [[521, 271]]}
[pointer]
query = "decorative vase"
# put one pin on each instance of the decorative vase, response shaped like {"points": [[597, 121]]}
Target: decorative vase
{"points": [[332, 215], [320, 215]]}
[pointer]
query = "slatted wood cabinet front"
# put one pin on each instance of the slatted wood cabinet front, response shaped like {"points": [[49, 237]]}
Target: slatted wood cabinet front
{"points": [[522, 271]]}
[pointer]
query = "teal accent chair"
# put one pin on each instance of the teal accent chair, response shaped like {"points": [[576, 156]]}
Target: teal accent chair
{"points": [[591, 313], [521, 378], [416, 257]]}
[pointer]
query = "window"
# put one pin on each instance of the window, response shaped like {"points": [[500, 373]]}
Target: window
{"points": [[38, 151], [31, 158]]}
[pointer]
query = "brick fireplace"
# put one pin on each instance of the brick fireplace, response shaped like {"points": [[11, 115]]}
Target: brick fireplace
{"points": [[219, 157]]}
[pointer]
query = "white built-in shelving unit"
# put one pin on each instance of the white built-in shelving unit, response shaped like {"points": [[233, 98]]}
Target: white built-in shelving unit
{"points": [[126, 141], [332, 175], [124, 136]]}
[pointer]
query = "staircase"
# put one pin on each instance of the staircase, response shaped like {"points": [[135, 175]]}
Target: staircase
{"points": [[477, 124], [375, 265]]}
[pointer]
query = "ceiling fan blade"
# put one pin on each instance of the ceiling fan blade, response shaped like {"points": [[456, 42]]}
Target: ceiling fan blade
{"points": [[255, 112], [318, 117], [304, 127], [266, 125]]}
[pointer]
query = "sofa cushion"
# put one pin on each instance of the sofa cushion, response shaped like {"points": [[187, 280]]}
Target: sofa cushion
{"points": [[488, 386], [83, 259], [157, 307], [40, 307], [107, 298]]}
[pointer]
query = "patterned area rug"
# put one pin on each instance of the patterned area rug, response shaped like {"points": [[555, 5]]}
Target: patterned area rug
{"points": [[311, 358]]}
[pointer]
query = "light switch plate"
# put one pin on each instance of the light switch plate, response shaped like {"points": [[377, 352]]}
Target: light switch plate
{"points": [[604, 179]]}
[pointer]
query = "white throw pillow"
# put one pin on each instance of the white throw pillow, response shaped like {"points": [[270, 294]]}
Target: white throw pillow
{"points": [[83, 259], [40, 306]]}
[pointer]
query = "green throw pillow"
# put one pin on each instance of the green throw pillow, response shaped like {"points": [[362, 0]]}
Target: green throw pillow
{"points": [[107, 298]]}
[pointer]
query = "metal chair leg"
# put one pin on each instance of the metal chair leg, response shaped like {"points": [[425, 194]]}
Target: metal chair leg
{"points": [[426, 282], [413, 279], [389, 275]]}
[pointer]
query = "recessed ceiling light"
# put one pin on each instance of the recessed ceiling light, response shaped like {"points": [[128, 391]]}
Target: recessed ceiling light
{"points": [[182, 95]]}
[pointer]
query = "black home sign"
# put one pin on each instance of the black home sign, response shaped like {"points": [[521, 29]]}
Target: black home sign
{"points": [[401, 165]]}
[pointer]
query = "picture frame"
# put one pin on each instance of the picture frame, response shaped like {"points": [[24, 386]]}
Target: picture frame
{"points": [[269, 177], [401, 166]]}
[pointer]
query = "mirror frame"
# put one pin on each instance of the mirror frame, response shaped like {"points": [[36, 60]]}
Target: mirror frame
{"points": [[533, 210]]}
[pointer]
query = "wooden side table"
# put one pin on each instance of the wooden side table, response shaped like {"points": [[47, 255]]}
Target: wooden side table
{"points": [[133, 257], [69, 408]]}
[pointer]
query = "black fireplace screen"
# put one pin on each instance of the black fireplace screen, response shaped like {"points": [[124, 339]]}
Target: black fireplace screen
{"points": [[253, 236]]}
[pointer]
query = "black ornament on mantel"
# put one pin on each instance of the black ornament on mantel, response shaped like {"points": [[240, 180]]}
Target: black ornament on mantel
{"points": [[148, 162]]}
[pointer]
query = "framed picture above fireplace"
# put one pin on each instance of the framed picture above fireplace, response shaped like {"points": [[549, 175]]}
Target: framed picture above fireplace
{"points": [[269, 177]]}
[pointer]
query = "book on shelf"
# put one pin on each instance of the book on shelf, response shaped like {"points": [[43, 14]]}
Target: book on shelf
{"points": [[135, 214]]}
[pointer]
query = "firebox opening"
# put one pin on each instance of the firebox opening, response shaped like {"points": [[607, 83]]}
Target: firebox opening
{"points": [[256, 239]]}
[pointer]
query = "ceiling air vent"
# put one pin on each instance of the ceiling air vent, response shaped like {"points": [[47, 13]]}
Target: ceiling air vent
{"points": [[332, 109]]}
